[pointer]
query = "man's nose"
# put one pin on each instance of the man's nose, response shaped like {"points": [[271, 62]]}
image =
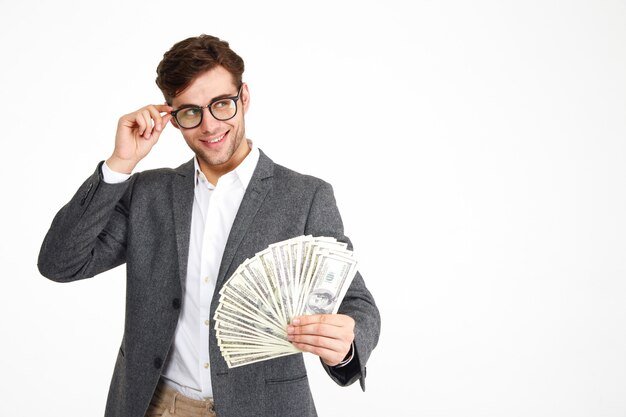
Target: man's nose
{"points": [[209, 123]]}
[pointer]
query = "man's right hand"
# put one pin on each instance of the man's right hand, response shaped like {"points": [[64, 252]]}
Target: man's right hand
{"points": [[136, 134]]}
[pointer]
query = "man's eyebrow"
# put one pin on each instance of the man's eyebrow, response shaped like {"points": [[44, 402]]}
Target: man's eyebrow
{"points": [[221, 96]]}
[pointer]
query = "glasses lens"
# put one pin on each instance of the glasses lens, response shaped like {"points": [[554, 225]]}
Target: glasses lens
{"points": [[224, 109], [189, 117]]}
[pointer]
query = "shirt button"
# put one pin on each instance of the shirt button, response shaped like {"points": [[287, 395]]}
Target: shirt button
{"points": [[206, 280], [207, 322], [206, 365], [176, 303], [158, 362]]}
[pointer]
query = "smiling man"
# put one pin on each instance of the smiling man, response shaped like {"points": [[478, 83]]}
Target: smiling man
{"points": [[182, 232]]}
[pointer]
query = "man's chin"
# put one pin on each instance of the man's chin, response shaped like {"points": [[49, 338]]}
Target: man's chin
{"points": [[215, 160]]}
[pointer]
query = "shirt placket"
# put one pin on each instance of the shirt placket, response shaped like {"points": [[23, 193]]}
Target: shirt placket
{"points": [[218, 221], [205, 291]]}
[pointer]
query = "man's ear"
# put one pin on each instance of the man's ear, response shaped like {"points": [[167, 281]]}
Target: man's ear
{"points": [[245, 97], [173, 121]]}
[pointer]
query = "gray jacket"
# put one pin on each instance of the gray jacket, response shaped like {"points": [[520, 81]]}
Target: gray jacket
{"points": [[145, 222]]}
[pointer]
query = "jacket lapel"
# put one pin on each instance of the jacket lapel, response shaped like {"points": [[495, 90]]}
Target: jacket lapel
{"points": [[182, 201], [260, 184]]}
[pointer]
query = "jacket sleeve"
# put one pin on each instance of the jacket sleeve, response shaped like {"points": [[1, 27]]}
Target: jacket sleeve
{"points": [[324, 220], [88, 234]]}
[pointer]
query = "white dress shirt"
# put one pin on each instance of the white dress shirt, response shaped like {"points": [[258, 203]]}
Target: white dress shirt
{"points": [[187, 368]]}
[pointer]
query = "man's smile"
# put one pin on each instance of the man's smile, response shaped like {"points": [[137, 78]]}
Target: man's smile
{"points": [[214, 140]]}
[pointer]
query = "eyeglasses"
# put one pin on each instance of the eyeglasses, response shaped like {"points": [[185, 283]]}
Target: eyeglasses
{"points": [[190, 116]]}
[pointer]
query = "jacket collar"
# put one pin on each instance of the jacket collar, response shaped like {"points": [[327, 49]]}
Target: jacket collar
{"points": [[182, 201]]}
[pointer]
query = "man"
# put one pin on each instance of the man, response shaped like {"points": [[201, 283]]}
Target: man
{"points": [[182, 232]]}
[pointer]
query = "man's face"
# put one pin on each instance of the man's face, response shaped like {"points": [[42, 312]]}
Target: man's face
{"points": [[218, 145]]}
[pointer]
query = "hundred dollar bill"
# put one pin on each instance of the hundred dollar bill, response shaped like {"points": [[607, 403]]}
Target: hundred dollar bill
{"points": [[296, 247], [234, 345], [267, 286], [247, 325], [266, 258], [252, 272], [240, 293], [315, 254], [235, 309], [239, 361], [332, 277], [285, 253], [282, 275], [225, 329], [226, 335], [313, 248]]}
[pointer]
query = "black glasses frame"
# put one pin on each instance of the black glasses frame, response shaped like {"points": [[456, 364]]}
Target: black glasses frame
{"points": [[208, 107]]}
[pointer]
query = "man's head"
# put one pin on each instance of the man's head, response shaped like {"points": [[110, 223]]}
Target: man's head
{"points": [[201, 79], [189, 58]]}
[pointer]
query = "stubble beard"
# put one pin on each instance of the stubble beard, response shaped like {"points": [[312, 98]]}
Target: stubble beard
{"points": [[213, 160]]}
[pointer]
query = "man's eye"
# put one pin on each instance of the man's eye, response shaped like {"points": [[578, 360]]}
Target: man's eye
{"points": [[191, 112], [221, 104]]}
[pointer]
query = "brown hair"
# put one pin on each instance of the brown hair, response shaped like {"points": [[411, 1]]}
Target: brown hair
{"points": [[189, 58]]}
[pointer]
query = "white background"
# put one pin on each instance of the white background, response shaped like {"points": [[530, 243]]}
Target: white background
{"points": [[477, 150]]}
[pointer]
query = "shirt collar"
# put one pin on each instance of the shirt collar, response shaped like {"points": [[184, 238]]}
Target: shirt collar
{"points": [[243, 172]]}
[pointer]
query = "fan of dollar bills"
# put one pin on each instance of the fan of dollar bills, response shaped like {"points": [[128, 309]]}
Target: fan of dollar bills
{"points": [[299, 276]]}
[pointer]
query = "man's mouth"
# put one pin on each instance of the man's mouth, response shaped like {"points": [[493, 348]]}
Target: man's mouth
{"points": [[215, 140]]}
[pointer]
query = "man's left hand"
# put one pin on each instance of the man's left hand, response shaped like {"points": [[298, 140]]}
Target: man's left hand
{"points": [[328, 336]]}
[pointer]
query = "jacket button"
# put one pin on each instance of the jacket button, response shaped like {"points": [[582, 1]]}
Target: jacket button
{"points": [[176, 303], [158, 362]]}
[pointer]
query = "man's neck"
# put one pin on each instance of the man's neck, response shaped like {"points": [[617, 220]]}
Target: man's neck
{"points": [[214, 172]]}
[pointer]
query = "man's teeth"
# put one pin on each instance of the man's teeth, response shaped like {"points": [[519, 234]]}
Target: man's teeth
{"points": [[216, 139]]}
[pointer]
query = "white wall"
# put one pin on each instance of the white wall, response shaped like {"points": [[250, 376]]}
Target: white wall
{"points": [[477, 151]]}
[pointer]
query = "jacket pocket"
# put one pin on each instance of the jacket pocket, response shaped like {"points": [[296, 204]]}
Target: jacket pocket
{"points": [[280, 394], [275, 381]]}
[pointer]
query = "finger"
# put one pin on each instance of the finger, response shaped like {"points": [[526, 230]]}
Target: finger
{"points": [[330, 357], [164, 121], [318, 341], [331, 319], [145, 114], [316, 329], [163, 108], [156, 118], [140, 123], [156, 133]]}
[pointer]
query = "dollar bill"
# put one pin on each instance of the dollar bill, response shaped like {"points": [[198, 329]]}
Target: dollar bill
{"points": [[298, 276]]}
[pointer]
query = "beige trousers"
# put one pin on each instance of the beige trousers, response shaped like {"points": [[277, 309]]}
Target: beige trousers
{"points": [[168, 402]]}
